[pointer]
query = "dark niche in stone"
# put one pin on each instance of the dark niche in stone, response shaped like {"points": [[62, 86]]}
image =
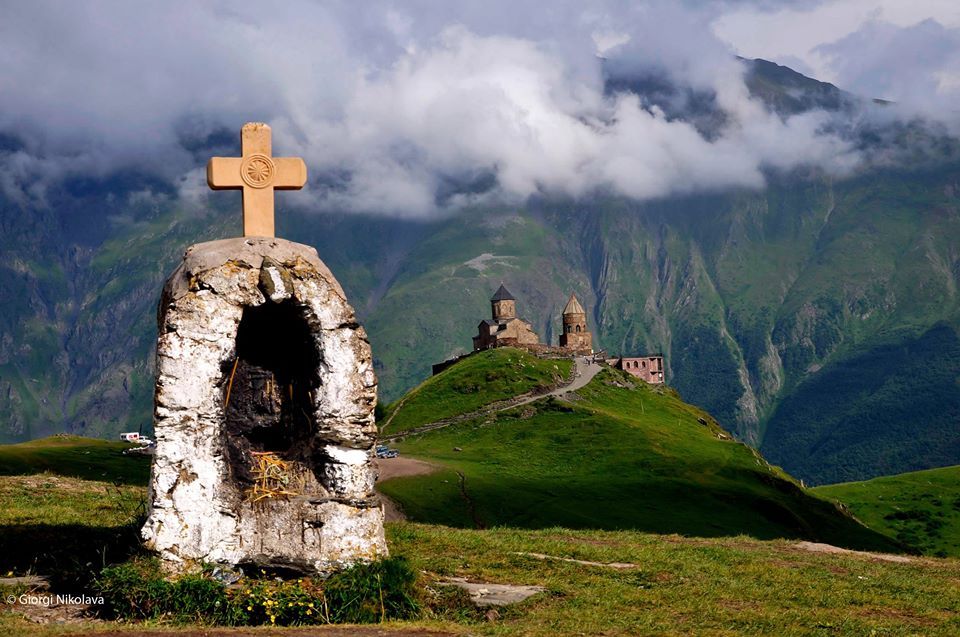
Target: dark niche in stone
{"points": [[269, 394]]}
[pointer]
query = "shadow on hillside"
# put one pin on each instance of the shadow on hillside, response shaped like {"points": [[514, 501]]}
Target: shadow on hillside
{"points": [[100, 461], [778, 509], [70, 555]]}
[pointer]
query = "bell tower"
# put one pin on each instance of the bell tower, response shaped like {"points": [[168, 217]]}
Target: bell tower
{"points": [[503, 305], [575, 335]]}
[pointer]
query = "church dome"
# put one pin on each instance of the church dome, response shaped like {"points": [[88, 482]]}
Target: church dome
{"points": [[502, 294], [573, 306]]}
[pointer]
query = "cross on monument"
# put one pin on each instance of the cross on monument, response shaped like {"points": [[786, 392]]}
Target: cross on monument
{"points": [[258, 174]]}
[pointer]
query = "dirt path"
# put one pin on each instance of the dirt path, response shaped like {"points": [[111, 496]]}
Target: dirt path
{"points": [[400, 467], [388, 468], [584, 371]]}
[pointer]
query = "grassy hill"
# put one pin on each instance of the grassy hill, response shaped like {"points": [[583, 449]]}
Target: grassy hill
{"points": [[626, 455], [478, 380], [77, 457], [921, 509]]}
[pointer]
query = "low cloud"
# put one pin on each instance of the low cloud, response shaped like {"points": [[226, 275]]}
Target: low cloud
{"points": [[916, 66], [405, 109]]}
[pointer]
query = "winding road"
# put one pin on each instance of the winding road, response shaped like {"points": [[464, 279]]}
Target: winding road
{"points": [[584, 371]]}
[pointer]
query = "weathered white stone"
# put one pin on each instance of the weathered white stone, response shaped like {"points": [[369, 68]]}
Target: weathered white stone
{"points": [[200, 511]]}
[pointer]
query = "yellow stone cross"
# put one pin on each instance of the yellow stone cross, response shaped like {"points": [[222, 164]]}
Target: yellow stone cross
{"points": [[258, 174]]}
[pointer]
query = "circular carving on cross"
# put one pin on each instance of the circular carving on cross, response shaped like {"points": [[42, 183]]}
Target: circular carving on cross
{"points": [[257, 171]]}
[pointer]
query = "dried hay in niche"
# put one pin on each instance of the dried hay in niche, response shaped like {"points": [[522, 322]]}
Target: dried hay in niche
{"points": [[273, 477]]}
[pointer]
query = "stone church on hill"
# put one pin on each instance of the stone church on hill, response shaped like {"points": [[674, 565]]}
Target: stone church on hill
{"points": [[505, 328]]}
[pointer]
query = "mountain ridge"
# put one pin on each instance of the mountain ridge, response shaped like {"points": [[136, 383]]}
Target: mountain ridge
{"points": [[752, 295]]}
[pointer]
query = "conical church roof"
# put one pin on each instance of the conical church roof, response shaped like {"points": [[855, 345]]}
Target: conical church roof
{"points": [[573, 306], [502, 294]]}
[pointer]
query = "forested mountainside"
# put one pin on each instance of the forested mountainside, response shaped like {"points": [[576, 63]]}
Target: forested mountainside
{"points": [[816, 318]]}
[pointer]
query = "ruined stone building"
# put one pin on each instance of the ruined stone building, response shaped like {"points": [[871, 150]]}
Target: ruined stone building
{"points": [[574, 335], [648, 368], [504, 328]]}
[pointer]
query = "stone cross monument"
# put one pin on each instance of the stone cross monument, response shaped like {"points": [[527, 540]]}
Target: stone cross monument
{"points": [[258, 174], [263, 408]]}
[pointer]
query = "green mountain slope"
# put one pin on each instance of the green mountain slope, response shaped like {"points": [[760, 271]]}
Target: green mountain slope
{"points": [[920, 509], [624, 456], [813, 290], [753, 297], [874, 412], [474, 382]]}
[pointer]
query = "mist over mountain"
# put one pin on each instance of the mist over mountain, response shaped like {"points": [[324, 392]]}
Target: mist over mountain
{"points": [[405, 112], [791, 247]]}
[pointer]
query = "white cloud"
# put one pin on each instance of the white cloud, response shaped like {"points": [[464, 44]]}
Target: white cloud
{"points": [[401, 99], [915, 65], [807, 32]]}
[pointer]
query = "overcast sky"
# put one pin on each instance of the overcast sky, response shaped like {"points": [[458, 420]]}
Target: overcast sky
{"points": [[391, 102]]}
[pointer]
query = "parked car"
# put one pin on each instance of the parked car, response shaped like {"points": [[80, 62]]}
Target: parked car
{"points": [[386, 452]]}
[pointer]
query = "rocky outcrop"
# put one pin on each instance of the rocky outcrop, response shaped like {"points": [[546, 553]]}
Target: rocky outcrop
{"points": [[263, 414]]}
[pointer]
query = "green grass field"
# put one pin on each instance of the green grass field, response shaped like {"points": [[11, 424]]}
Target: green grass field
{"points": [[737, 585], [68, 505], [921, 508], [684, 586], [678, 586], [625, 456], [77, 457], [478, 380]]}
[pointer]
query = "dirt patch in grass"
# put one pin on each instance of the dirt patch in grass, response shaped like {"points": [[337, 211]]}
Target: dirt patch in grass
{"points": [[388, 468], [399, 467], [897, 614], [320, 631], [58, 614]]}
